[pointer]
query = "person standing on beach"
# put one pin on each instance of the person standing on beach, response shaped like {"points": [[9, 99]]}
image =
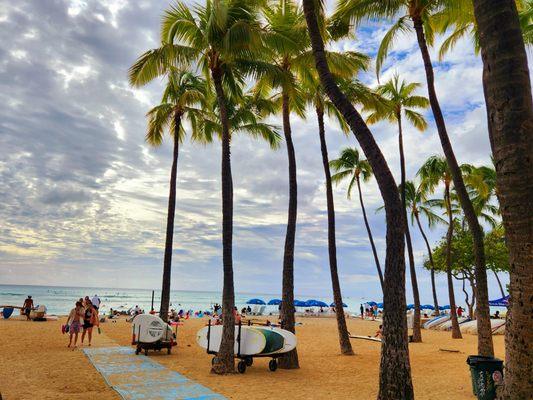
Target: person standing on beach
{"points": [[27, 307], [362, 310], [90, 319], [96, 301], [74, 322]]}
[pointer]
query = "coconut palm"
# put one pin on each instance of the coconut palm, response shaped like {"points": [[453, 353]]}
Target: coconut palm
{"points": [[351, 166], [416, 202], [395, 371], [458, 17], [399, 100], [288, 49], [507, 89], [182, 93], [223, 38], [417, 15], [434, 172]]}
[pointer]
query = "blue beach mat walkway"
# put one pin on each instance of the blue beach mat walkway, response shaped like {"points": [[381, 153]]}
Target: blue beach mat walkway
{"points": [[140, 378]]}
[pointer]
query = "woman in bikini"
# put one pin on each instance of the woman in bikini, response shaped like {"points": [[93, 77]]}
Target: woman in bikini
{"points": [[73, 321], [90, 319]]}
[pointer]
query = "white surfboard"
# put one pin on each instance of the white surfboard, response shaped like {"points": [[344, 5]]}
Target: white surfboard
{"points": [[252, 340], [371, 338], [465, 328], [436, 323], [289, 339], [447, 326], [150, 328], [431, 321]]}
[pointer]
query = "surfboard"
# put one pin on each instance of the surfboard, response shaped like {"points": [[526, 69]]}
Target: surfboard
{"points": [[253, 341], [150, 328], [446, 326], [7, 312], [465, 328], [373, 339], [436, 323], [289, 342], [431, 322]]}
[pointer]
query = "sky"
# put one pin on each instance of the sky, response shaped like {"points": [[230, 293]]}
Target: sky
{"points": [[84, 198]]}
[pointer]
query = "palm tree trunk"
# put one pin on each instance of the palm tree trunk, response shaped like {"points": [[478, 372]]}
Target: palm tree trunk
{"points": [[290, 360], [369, 232], [167, 263], [507, 87], [456, 332], [344, 336], [485, 346], [430, 254], [395, 369], [225, 357], [417, 331], [499, 283], [467, 298]]}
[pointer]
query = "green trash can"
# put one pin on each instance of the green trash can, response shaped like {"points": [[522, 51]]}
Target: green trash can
{"points": [[486, 373]]}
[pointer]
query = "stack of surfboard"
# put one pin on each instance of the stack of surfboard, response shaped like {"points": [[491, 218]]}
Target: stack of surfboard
{"points": [[149, 329], [433, 323], [255, 340]]}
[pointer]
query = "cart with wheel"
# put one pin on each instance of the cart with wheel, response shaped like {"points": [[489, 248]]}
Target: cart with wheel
{"points": [[152, 333]]}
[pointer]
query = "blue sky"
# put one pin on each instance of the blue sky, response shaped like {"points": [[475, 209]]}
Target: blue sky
{"points": [[84, 198]]}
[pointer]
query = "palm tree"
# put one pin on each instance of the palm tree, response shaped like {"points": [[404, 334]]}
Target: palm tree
{"points": [[223, 38], [398, 99], [420, 12], [434, 172], [415, 198], [183, 91], [395, 371], [351, 166], [459, 18], [288, 49], [507, 88]]}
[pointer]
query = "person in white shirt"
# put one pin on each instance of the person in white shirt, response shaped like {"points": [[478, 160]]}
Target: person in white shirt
{"points": [[96, 301]]}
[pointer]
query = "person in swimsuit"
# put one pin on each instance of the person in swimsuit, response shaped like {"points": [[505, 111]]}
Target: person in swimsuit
{"points": [[90, 318], [27, 306], [74, 318]]}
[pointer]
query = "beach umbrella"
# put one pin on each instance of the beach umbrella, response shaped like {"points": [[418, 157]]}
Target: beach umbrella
{"points": [[316, 303], [372, 303], [427, 307], [299, 303], [445, 307], [503, 302], [410, 306], [343, 304], [256, 301], [274, 302], [380, 305]]}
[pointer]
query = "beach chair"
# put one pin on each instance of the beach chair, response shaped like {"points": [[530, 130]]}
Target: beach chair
{"points": [[261, 310]]}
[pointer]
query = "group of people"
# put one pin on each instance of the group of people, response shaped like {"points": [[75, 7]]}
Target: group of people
{"points": [[83, 317], [371, 312]]}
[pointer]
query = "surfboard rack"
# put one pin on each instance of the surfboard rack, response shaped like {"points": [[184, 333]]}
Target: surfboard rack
{"points": [[245, 360], [157, 346]]}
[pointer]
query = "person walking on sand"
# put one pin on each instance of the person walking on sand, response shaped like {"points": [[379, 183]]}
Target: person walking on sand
{"points": [[96, 301], [90, 319], [74, 322], [27, 307]]}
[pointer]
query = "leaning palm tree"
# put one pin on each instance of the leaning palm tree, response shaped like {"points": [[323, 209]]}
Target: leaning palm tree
{"points": [[399, 100], [434, 172], [224, 39], [288, 49], [416, 202], [350, 165], [417, 15], [395, 371]]}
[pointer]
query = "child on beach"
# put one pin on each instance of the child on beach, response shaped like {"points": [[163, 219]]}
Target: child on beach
{"points": [[73, 320], [379, 332]]}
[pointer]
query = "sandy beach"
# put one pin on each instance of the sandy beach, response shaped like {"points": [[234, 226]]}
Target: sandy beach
{"points": [[36, 364]]}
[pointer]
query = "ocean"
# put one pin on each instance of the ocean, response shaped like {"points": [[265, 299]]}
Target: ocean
{"points": [[60, 300]]}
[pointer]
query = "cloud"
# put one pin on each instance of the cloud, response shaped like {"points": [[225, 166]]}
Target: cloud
{"points": [[84, 199]]}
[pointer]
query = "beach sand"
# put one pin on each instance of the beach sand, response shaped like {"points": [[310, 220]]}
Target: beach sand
{"points": [[36, 364]]}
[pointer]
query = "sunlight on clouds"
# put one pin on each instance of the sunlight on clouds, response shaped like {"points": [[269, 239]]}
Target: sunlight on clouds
{"points": [[75, 7], [119, 130], [75, 73]]}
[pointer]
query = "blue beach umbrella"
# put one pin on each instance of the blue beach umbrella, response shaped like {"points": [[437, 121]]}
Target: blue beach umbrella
{"points": [[316, 303], [445, 307], [372, 303], [427, 307], [410, 306], [343, 304], [380, 305], [299, 303], [274, 302], [256, 301]]}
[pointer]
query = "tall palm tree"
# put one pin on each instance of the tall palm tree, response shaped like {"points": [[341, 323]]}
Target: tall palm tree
{"points": [[416, 202], [433, 172], [351, 166], [507, 88], [399, 99], [288, 49], [458, 17], [395, 370], [224, 39], [419, 13], [182, 93]]}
